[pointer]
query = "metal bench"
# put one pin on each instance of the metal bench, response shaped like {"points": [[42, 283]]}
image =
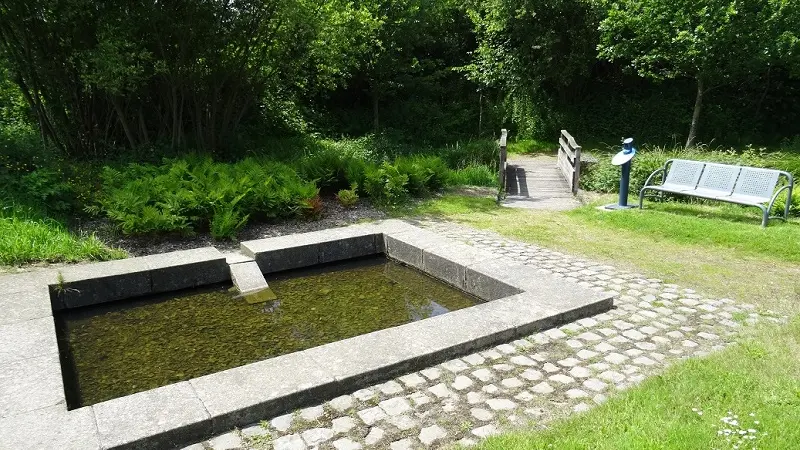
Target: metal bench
{"points": [[747, 186]]}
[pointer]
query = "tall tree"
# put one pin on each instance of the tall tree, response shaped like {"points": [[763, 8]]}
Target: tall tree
{"points": [[714, 42], [534, 51], [104, 74]]}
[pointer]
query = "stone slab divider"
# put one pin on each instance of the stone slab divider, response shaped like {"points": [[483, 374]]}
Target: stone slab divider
{"points": [[31, 388], [110, 281], [247, 277]]}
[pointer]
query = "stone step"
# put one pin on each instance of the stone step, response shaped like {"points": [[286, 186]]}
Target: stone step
{"points": [[247, 277]]}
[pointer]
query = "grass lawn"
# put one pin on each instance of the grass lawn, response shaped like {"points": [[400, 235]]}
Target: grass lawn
{"points": [[718, 250], [25, 240], [761, 376], [714, 249]]}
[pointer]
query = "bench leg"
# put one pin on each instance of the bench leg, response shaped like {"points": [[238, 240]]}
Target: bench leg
{"points": [[765, 219], [641, 198]]}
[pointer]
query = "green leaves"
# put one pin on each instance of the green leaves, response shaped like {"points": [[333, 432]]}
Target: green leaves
{"points": [[191, 194], [718, 40]]}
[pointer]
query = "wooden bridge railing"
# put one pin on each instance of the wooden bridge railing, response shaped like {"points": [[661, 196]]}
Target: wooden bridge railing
{"points": [[569, 160], [503, 163]]}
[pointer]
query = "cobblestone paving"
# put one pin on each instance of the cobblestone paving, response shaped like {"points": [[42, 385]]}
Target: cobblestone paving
{"points": [[527, 382]]}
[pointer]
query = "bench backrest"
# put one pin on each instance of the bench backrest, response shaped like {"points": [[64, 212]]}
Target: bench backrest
{"points": [[758, 183], [684, 173], [720, 178]]}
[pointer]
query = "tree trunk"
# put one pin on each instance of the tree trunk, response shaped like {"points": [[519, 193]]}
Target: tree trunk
{"points": [[480, 114], [375, 111], [123, 121], [698, 106]]}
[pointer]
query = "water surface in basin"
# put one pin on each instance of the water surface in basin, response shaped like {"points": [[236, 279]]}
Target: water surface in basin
{"points": [[120, 348]]}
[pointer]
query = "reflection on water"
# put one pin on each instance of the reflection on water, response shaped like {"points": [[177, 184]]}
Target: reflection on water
{"points": [[117, 349]]}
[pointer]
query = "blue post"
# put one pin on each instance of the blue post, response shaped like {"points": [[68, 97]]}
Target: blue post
{"points": [[625, 181], [623, 159]]}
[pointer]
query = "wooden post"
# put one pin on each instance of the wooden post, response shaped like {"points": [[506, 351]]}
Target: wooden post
{"points": [[577, 180], [503, 158], [569, 160]]}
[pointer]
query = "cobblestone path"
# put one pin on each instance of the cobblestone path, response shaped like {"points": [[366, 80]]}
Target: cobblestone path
{"points": [[527, 382]]}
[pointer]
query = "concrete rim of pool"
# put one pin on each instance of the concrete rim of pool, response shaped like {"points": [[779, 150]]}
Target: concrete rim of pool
{"points": [[518, 301]]}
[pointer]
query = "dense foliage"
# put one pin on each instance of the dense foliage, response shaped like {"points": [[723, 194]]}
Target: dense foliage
{"points": [[194, 194], [222, 75], [185, 116]]}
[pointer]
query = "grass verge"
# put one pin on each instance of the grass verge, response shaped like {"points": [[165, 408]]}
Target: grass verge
{"points": [[759, 375], [718, 250], [24, 241]]}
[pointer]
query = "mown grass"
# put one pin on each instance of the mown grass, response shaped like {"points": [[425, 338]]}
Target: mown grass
{"points": [[27, 240], [719, 250], [715, 249], [758, 375]]}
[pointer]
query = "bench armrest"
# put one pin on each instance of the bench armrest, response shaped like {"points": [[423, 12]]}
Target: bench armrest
{"points": [[788, 205], [661, 170]]}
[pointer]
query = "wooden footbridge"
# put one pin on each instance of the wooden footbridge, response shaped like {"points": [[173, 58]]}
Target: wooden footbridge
{"points": [[542, 182]]}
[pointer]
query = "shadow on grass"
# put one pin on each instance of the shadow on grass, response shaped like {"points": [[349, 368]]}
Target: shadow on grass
{"points": [[448, 205], [730, 213]]}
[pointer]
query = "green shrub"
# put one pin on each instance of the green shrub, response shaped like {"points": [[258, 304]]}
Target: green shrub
{"points": [[426, 174], [483, 152], [192, 194], [385, 184], [473, 175], [335, 165], [348, 197], [313, 208], [794, 206]]}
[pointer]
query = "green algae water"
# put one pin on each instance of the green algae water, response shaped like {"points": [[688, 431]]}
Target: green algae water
{"points": [[118, 349]]}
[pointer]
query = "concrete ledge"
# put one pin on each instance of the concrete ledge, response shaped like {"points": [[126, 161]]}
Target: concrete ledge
{"points": [[519, 302], [33, 303], [50, 428], [23, 340], [486, 286], [102, 282], [449, 263], [187, 269], [110, 281], [307, 249], [30, 384], [408, 246], [21, 282], [246, 394], [166, 417]]}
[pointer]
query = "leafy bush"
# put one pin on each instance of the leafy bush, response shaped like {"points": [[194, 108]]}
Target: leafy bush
{"points": [[335, 165], [385, 184], [39, 179], [192, 194], [426, 174], [312, 208], [348, 197], [483, 152], [473, 175]]}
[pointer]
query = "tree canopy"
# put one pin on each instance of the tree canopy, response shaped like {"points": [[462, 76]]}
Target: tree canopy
{"points": [[718, 43], [206, 74]]}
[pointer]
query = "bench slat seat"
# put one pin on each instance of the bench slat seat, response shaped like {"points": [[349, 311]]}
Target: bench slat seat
{"points": [[749, 186], [757, 183]]}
